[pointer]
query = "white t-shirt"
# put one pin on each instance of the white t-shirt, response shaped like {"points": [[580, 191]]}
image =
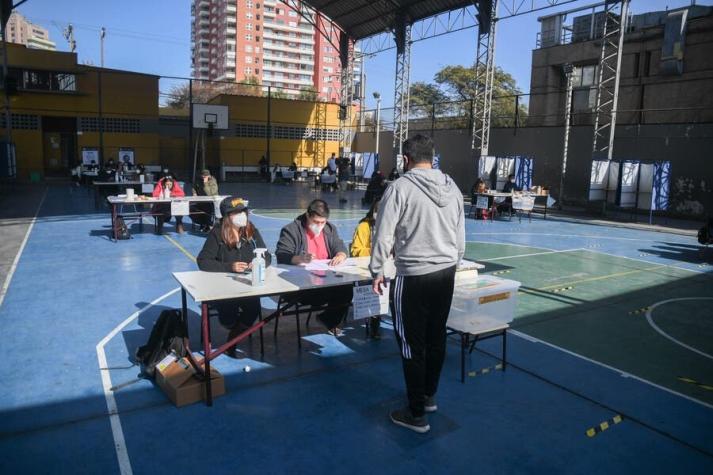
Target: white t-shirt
{"points": [[332, 164]]}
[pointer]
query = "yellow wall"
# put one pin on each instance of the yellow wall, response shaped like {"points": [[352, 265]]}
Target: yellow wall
{"points": [[124, 95], [284, 112]]}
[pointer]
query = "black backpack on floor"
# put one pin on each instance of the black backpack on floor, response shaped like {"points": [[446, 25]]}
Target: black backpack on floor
{"points": [[166, 337]]}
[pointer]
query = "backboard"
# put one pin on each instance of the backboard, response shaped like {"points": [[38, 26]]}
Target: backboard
{"points": [[209, 116]]}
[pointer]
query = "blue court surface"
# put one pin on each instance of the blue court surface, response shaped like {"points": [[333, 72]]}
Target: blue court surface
{"points": [[613, 335]]}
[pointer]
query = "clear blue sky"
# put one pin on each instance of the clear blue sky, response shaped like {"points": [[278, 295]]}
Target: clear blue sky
{"points": [[154, 37]]}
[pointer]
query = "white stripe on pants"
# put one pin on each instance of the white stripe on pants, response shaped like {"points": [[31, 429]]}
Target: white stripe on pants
{"points": [[399, 322]]}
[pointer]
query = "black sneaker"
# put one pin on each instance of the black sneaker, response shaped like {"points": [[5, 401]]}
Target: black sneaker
{"points": [[404, 418], [375, 328], [430, 404]]}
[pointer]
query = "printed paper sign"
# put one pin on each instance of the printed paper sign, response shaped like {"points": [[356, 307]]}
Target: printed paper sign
{"points": [[179, 208], [368, 304], [482, 202]]}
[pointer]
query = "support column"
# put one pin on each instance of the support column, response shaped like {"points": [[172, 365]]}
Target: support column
{"points": [[616, 15], [568, 68], [346, 96], [402, 36], [484, 75]]}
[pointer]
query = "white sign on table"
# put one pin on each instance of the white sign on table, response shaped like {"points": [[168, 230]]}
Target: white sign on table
{"points": [[482, 202], [368, 304], [180, 208]]}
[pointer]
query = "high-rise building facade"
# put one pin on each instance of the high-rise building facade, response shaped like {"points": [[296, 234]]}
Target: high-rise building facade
{"points": [[244, 40], [21, 31]]}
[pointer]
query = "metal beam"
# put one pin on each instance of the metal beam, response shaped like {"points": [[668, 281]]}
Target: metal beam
{"points": [[346, 57], [616, 16], [402, 37], [484, 75], [453, 21]]}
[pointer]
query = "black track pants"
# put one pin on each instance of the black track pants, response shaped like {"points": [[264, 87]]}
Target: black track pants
{"points": [[419, 307]]}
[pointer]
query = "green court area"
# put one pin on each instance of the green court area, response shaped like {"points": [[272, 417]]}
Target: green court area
{"points": [[650, 320]]}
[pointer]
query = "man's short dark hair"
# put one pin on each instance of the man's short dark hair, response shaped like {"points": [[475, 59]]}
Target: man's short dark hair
{"points": [[418, 149], [318, 208]]}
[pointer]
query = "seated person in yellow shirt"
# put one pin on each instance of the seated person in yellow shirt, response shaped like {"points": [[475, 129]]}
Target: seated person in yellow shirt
{"points": [[361, 247]]}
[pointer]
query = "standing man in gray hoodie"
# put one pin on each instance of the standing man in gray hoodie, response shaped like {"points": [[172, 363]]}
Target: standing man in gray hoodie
{"points": [[421, 222]]}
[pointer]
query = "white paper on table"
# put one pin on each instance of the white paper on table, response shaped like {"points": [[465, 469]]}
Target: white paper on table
{"points": [[481, 202], [366, 303], [147, 188], [179, 208], [323, 264]]}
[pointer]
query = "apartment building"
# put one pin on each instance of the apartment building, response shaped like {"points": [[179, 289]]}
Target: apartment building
{"points": [[21, 31], [243, 40]]}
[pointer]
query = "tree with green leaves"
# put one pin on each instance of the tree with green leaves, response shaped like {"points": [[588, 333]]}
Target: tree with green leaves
{"points": [[458, 84], [308, 93]]}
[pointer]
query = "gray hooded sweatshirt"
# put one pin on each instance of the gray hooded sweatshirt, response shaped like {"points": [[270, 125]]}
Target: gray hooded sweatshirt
{"points": [[420, 221]]}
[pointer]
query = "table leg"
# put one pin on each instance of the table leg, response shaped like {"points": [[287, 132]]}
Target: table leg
{"points": [[505, 345], [463, 344], [205, 321], [113, 222]]}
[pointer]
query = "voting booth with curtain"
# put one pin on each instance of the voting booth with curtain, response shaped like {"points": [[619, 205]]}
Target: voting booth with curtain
{"points": [[495, 170], [632, 184]]}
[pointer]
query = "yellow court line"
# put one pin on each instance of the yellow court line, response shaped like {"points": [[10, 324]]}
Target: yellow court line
{"points": [[181, 248], [602, 277]]}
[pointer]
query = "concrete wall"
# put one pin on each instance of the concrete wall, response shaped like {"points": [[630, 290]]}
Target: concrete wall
{"points": [[687, 147]]}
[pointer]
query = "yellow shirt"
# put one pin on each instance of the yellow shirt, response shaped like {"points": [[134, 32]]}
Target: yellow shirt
{"points": [[361, 242]]}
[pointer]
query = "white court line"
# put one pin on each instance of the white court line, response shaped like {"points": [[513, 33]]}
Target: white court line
{"points": [[6, 284], [528, 255], [561, 235], [622, 373], [647, 262], [666, 335], [117, 432], [507, 243]]}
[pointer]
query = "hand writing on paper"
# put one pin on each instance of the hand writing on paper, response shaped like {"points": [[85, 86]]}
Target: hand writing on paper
{"points": [[304, 258], [338, 259], [240, 266], [378, 285]]}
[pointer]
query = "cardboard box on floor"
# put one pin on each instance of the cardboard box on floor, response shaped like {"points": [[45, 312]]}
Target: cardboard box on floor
{"points": [[179, 382]]}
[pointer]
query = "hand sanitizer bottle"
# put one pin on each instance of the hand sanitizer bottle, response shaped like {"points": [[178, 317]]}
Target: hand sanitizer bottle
{"points": [[258, 267]]}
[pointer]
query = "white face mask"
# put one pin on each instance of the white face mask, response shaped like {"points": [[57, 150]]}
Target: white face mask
{"points": [[375, 215], [316, 228], [240, 220]]}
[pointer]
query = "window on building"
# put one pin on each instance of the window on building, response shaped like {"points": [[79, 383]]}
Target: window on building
{"points": [[257, 6], [257, 27], [257, 38], [248, 71], [249, 15], [584, 94], [249, 26], [257, 71], [249, 37], [249, 3], [248, 48], [46, 81], [248, 59], [292, 13], [328, 59], [292, 24], [257, 16]]}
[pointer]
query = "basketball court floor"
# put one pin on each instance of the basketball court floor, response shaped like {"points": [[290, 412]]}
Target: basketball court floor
{"points": [[610, 358]]}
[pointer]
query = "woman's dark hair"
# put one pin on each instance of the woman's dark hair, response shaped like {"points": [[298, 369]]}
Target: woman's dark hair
{"points": [[318, 208], [226, 231], [369, 218], [166, 180]]}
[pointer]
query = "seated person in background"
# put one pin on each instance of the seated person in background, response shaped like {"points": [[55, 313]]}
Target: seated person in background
{"points": [[167, 188], [229, 248], [110, 165], [140, 169], [509, 187], [361, 247], [310, 236], [293, 167], [394, 175], [206, 185], [479, 187], [375, 188]]}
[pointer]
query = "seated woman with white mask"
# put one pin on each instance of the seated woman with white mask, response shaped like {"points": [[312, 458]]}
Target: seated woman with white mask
{"points": [[229, 248]]}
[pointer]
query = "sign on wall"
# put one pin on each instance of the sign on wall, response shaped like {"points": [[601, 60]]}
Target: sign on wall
{"points": [[126, 155], [90, 155]]}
